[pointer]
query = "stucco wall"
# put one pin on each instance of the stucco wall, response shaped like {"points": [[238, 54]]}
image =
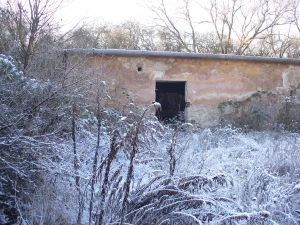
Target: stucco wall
{"points": [[209, 81]]}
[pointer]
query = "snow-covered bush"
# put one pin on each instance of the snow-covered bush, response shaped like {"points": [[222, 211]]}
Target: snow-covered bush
{"points": [[8, 67], [210, 176], [223, 176], [67, 158], [35, 126]]}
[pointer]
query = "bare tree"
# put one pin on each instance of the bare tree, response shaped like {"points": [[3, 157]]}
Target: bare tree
{"points": [[182, 25], [295, 16], [126, 35], [282, 43], [236, 24], [222, 15], [25, 22], [208, 43], [241, 22]]}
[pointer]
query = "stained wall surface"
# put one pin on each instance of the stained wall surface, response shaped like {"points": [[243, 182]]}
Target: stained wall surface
{"points": [[209, 81]]}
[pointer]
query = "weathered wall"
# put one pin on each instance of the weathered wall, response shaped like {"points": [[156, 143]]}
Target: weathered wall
{"points": [[209, 81]]}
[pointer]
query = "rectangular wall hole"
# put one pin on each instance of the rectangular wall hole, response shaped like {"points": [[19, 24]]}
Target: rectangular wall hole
{"points": [[171, 96]]}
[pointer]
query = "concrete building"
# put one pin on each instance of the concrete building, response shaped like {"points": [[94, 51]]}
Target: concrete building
{"points": [[192, 84]]}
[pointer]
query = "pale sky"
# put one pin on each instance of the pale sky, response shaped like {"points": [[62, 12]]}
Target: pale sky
{"points": [[110, 10]]}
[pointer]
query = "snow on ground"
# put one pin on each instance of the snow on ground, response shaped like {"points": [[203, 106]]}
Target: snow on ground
{"points": [[226, 175]]}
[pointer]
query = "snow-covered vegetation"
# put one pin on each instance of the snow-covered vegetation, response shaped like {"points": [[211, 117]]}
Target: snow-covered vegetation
{"points": [[72, 152], [68, 159]]}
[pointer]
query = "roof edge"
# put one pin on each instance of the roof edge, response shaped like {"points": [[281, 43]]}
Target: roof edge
{"points": [[123, 52]]}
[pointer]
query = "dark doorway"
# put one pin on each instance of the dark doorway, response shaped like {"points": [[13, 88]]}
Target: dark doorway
{"points": [[171, 96]]}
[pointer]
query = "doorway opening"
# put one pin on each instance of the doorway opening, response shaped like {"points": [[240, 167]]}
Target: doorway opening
{"points": [[171, 96]]}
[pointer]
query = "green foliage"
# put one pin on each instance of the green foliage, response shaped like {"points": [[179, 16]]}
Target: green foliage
{"points": [[238, 104], [234, 104], [259, 94], [262, 110]]}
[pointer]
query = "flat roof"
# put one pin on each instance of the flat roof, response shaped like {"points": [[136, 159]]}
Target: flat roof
{"points": [[124, 52]]}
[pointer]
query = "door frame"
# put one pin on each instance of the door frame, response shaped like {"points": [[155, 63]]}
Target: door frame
{"points": [[183, 92]]}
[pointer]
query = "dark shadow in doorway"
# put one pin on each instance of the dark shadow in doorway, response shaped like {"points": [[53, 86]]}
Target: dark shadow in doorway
{"points": [[171, 96]]}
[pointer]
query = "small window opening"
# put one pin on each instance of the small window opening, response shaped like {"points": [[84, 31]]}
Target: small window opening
{"points": [[139, 68]]}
